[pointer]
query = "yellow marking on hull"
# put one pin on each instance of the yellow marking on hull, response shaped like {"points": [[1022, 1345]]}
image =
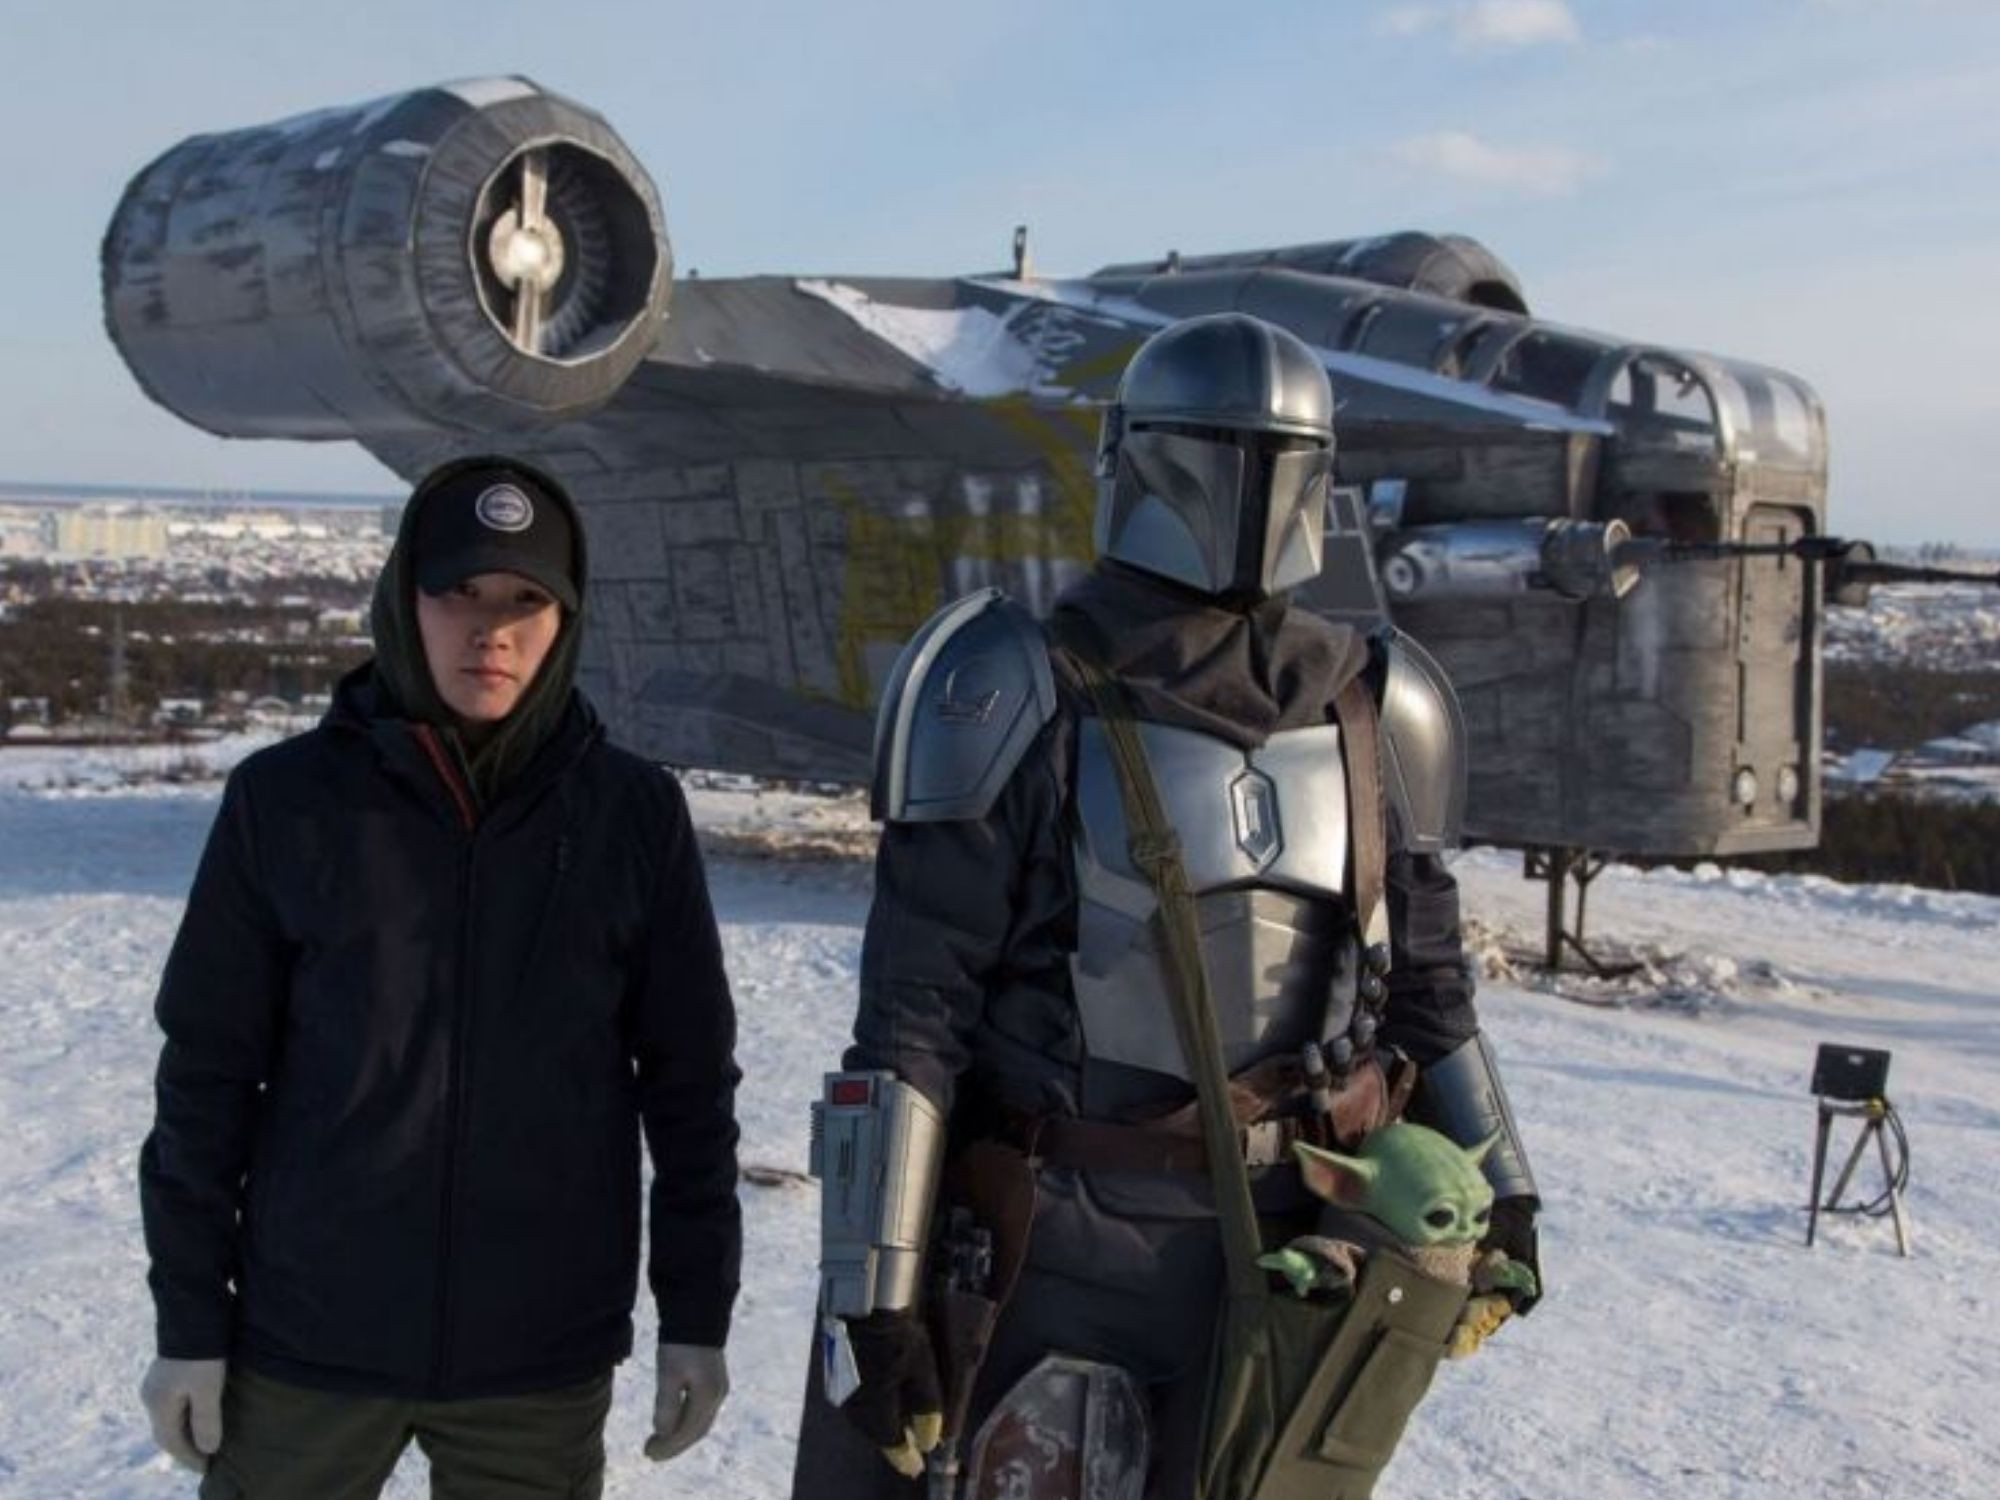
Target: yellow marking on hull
{"points": [[896, 564], [1107, 366]]}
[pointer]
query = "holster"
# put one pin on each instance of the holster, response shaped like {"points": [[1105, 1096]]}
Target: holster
{"points": [[996, 1183]]}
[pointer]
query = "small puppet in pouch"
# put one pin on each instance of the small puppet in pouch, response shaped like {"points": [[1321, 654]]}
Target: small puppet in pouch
{"points": [[1409, 1188]]}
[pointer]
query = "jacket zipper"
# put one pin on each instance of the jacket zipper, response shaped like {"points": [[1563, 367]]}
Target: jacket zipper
{"points": [[427, 737], [454, 1110], [455, 1061]]}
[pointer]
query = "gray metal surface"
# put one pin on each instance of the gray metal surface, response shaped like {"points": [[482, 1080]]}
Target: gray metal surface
{"points": [[877, 1158], [1276, 814], [804, 469], [1442, 265], [1264, 839], [966, 699], [1423, 750], [1227, 370], [1461, 1096], [1469, 560]]}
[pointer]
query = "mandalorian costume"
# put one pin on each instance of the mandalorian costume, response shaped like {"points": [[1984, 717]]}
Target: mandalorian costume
{"points": [[1016, 1118]]}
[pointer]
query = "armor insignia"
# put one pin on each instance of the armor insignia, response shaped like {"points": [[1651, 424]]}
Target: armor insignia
{"points": [[1255, 802], [1070, 1429], [962, 702]]}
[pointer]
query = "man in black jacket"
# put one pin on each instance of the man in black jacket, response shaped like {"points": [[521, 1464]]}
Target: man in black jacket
{"points": [[446, 958], [1014, 1037]]}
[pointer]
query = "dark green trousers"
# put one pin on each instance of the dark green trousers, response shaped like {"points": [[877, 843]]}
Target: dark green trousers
{"points": [[285, 1442]]}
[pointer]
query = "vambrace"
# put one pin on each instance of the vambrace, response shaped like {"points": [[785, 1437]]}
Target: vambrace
{"points": [[1461, 1096], [877, 1147]]}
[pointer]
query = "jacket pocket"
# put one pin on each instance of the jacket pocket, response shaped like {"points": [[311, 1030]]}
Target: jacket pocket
{"points": [[1366, 1425]]}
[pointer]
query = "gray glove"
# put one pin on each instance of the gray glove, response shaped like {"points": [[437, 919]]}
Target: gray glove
{"points": [[693, 1381], [183, 1399]]}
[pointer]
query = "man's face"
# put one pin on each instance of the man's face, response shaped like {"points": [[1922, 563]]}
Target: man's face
{"points": [[484, 640]]}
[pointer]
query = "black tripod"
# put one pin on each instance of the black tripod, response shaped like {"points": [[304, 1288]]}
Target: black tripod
{"points": [[1879, 1117]]}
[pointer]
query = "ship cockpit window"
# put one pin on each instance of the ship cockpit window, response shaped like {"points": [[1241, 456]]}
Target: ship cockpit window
{"points": [[1548, 366], [1656, 399]]}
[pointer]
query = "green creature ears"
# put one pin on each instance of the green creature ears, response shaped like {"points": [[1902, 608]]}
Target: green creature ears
{"points": [[1350, 1180], [1347, 1181]]}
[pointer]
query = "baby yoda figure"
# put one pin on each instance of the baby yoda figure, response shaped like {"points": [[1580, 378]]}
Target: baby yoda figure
{"points": [[1407, 1186]]}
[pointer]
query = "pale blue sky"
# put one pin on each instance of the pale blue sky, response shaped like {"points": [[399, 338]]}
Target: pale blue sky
{"points": [[1810, 183]]}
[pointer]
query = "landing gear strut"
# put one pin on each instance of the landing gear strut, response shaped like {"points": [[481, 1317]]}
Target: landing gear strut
{"points": [[1559, 867]]}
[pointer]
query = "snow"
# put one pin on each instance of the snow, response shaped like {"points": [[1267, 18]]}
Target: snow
{"points": [[1690, 1346], [190, 769], [968, 349], [1860, 768]]}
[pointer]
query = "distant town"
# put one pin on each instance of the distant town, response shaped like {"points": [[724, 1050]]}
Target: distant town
{"points": [[162, 614], [182, 536]]}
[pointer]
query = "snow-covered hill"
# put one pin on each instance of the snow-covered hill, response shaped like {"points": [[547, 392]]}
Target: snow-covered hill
{"points": [[1690, 1347]]}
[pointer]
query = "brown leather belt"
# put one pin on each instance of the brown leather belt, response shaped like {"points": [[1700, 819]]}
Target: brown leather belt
{"points": [[1104, 1146], [1363, 1101]]}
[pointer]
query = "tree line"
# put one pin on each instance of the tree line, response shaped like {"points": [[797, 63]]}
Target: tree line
{"points": [[64, 651], [1882, 836], [1897, 707]]}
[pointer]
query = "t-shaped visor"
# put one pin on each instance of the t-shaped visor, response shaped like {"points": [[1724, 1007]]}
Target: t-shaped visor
{"points": [[1224, 511]]}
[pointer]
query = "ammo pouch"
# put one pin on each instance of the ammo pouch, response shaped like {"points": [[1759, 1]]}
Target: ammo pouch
{"points": [[1307, 1399]]}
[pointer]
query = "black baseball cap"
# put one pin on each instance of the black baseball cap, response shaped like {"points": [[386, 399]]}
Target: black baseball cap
{"points": [[494, 518]]}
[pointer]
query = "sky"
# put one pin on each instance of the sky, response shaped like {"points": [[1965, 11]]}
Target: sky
{"points": [[1813, 184]]}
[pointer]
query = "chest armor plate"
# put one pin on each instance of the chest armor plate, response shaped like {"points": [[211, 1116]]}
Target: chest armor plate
{"points": [[1264, 836]]}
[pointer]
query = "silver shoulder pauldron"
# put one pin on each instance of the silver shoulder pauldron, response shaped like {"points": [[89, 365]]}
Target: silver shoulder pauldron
{"points": [[1423, 743], [967, 697]]}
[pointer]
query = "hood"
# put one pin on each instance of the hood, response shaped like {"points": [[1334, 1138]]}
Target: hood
{"points": [[402, 686], [1189, 659]]}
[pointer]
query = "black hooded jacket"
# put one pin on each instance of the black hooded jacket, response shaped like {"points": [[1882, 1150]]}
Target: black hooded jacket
{"points": [[411, 1044]]}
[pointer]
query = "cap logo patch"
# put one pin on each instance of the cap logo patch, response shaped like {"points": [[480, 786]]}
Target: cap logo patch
{"points": [[504, 508]]}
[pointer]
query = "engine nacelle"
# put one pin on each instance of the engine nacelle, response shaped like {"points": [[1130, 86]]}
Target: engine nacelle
{"points": [[472, 256]]}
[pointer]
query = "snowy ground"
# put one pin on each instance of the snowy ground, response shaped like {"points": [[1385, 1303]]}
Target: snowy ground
{"points": [[1690, 1346]]}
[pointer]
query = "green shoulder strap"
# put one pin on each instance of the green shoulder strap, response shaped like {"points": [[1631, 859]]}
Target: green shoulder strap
{"points": [[1155, 850]]}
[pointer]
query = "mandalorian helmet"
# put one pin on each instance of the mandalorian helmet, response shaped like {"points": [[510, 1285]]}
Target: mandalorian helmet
{"points": [[1216, 457]]}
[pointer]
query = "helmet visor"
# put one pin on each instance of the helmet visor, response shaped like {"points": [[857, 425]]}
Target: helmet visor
{"points": [[1218, 512], [1290, 545], [1300, 479], [1177, 506]]}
